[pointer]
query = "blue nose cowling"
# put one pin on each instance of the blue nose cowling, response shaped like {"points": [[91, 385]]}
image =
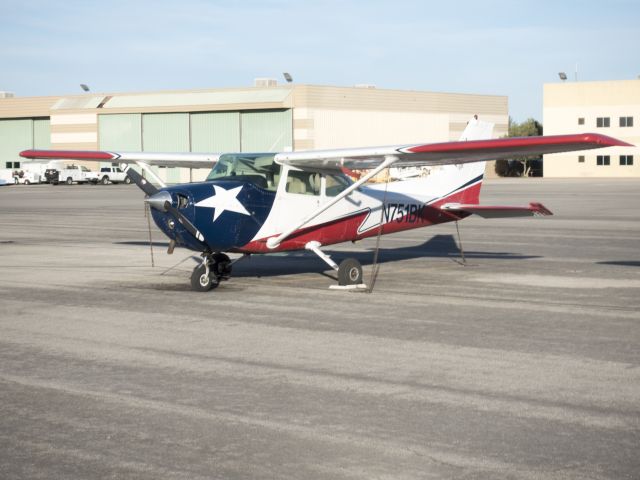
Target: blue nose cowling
{"points": [[222, 231]]}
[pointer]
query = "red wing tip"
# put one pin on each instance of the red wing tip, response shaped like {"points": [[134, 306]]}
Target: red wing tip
{"points": [[68, 154], [516, 142], [604, 140]]}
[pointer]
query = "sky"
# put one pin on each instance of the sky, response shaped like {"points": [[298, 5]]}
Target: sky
{"points": [[481, 47]]}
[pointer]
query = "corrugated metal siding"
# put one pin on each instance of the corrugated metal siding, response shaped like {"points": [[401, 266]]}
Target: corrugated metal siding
{"points": [[15, 136], [42, 133], [120, 132], [268, 131], [165, 132], [215, 132]]}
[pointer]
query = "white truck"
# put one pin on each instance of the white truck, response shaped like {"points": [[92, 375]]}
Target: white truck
{"points": [[27, 174], [78, 174], [113, 175], [26, 177]]}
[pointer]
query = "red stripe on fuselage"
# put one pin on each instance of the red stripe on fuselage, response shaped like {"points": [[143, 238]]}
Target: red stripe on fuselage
{"points": [[346, 229]]}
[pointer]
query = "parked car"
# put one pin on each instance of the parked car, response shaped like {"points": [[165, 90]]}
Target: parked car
{"points": [[113, 175]]}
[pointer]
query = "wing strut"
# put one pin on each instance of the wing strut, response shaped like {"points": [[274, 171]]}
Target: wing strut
{"points": [[273, 242], [147, 168]]}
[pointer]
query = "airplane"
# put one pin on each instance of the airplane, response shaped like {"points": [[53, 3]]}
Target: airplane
{"points": [[256, 203]]}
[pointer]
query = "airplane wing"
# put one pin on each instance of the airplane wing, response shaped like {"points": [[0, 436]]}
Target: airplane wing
{"points": [[186, 160], [498, 211], [446, 153]]}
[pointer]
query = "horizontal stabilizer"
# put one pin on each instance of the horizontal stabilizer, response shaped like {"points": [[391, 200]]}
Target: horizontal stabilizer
{"points": [[498, 211]]}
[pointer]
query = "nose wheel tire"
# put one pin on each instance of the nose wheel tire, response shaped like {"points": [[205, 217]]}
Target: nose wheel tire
{"points": [[349, 272], [219, 270], [200, 281]]}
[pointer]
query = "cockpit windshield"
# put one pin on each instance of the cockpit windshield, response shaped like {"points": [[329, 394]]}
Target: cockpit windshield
{"points": [[257, 168]]}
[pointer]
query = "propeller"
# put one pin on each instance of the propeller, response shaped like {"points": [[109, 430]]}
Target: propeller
{"points": [[144, 185], [162, 201]]}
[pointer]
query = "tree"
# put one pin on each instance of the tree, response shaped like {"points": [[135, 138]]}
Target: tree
{"points": [[519, 166]]}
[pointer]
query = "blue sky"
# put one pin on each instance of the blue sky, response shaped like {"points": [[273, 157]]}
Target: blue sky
{"points": [[483, 46]]}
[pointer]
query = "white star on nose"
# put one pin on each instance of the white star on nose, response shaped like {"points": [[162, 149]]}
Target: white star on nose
{"points": [[222, 201]]}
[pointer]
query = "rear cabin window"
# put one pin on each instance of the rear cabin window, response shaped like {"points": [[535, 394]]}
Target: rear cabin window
{"points": [[310, 183], [336, 184], [305, 183]]}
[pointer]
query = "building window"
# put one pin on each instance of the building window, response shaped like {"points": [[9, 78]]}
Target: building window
{"points": [[12, 165], [603, 122], [581, 121], [603, 160], [626, 159], [626, 121], [580, 158]]}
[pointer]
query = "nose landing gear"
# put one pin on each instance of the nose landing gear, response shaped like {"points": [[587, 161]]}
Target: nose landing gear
{"points": [[215, 267]]}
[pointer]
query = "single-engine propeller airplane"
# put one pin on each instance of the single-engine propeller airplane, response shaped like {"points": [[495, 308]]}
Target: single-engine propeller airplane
{"points": [[267, 202]]}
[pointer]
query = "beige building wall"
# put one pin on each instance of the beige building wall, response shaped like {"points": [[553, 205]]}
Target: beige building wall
{"points": [[323, 116], [335, 117], [564, 104]]}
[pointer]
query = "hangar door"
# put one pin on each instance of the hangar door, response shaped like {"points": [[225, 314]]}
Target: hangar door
{"points": [[213, 132], [166, 132], [22, 134], [267, 131], [120, 132], [247, 131]]}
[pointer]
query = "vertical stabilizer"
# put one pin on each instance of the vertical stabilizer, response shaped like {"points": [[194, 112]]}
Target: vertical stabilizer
{"points": [[461, 182], [468, 172], [477, 130]]}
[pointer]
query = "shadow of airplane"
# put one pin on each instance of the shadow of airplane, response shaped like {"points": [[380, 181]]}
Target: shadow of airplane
{"points": [[623, 263], [302, 261]]}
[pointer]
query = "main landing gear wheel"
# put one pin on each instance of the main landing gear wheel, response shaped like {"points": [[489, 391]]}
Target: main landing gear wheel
{"points": [[221, 266], [349, 272]]}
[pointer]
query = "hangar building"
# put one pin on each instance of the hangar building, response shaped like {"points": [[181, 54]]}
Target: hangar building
{"points": [[263, 118], [611, 108]]}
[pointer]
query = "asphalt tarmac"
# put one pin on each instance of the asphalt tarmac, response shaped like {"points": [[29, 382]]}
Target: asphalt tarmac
{"points": [[523, 363]]}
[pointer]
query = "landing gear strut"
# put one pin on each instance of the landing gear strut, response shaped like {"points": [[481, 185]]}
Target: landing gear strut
{"points": [[214, 268]]}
